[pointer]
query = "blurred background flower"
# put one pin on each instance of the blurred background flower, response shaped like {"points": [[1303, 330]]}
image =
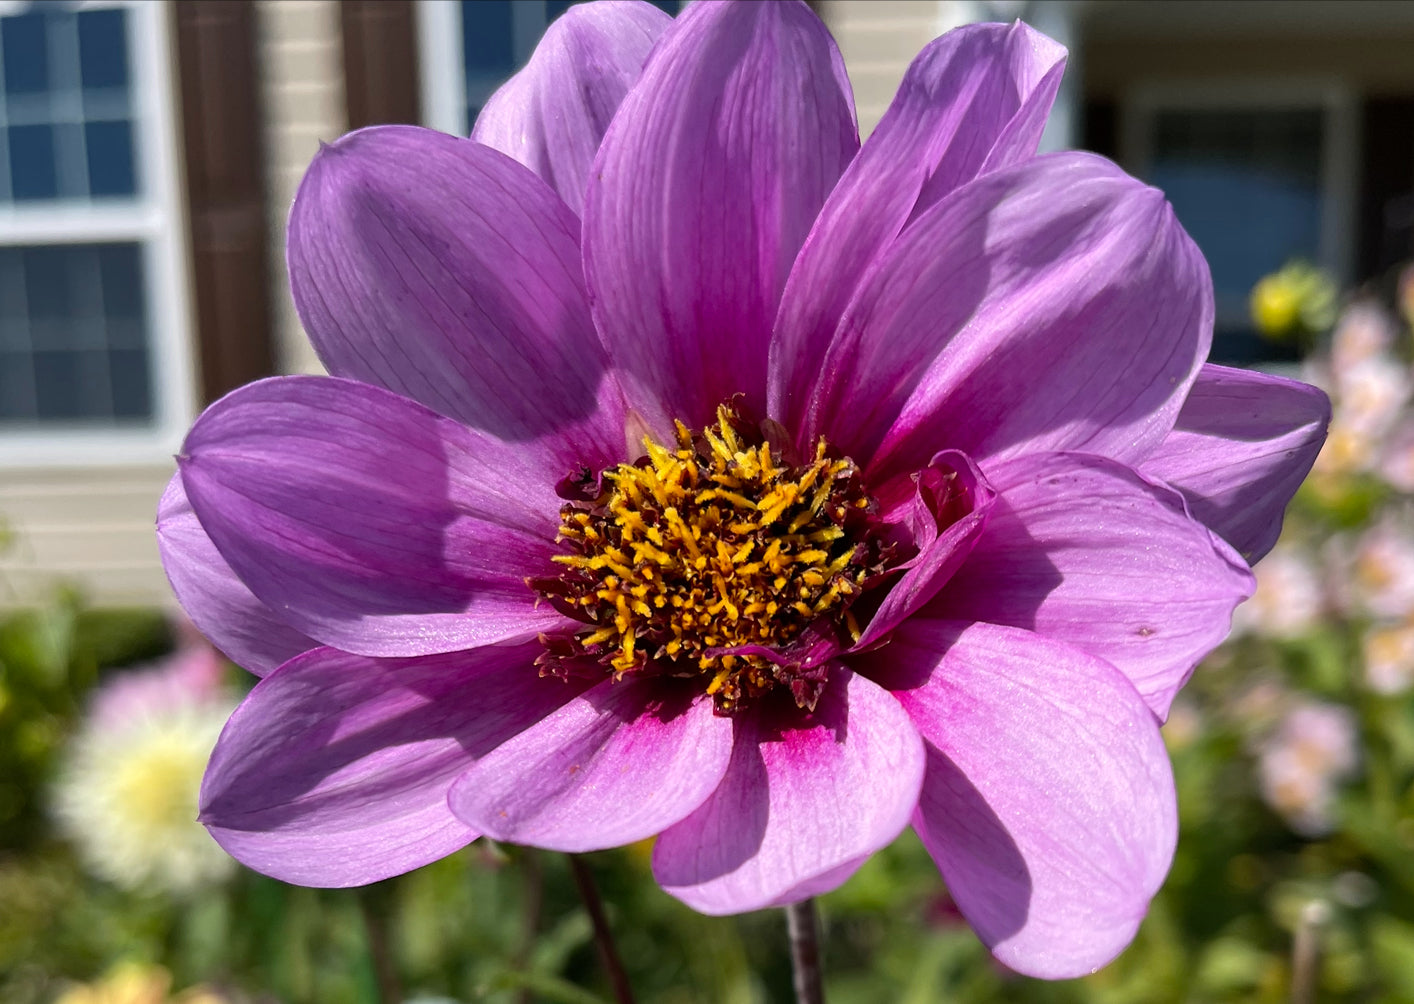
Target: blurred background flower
{"points": [[126, 794]]}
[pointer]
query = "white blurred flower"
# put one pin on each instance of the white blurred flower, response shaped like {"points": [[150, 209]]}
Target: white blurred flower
{"points": [[1289, 598], [127, 790], [1389, 658], [1302, 762]]}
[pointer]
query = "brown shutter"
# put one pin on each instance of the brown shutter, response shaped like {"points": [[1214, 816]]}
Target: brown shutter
{"points": [[380, 61], [222, 140]]}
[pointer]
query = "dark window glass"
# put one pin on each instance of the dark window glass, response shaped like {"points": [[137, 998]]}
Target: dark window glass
{"points": [[48, 294], [73, 334], [103, 48], [488, 37], [25, 52], [132, 390], [110, 158], [33, 171], [1247, 186]]}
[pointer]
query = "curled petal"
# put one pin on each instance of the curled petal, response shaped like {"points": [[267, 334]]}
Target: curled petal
{"points": [[619, 763], [369, 522], [551, 116], [334, 771], [440, 269], [247, 631], [945, 515], [1242, 445], [805, 800], [992, 324], [974, 100], [1048, 802], [706, 184], [1086, 551]]}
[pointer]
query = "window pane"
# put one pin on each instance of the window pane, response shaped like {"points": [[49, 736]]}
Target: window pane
{"points": [[73, 335], [26, 53], [33, 171], [103, 48], [110, 158], [1246, 184], [488, 38]]}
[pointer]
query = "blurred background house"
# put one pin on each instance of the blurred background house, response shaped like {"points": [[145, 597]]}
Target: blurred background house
{"points": [[149, 150]]}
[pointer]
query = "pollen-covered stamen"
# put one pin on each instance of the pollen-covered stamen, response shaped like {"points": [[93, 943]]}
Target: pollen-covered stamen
{"points": [[717, 560]]}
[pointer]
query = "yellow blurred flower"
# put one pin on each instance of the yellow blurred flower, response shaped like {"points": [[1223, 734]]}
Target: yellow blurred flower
{"points": [[136, 983], [1299, 299]]}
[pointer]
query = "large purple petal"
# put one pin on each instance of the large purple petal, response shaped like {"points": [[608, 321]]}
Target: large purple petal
{"points": [[249, 633], [552, 115], [1048, 802], [618, 764], [706, 184], [1053, 305], [804, 802], [334, 771], [1241, 447], [944, 515], [1086, 551], [369, 522], [974, 100], [440, 269]]}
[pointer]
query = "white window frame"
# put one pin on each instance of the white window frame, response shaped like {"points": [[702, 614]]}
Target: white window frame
{"points": [[156, 220], [1340, 138], [443, 77]]}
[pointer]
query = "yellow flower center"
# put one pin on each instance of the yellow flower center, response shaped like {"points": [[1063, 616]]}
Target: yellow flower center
{"points": [[716, 560]]}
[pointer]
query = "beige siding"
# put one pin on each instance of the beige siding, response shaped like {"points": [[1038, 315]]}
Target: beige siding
{"points": [[878, 39], [91, 528], [301, 63]]}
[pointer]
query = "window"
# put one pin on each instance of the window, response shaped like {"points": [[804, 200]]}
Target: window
{"points": [[1257, 177], [470, 47], [94, 353]]}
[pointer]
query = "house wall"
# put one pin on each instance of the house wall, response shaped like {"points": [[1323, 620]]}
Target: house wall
{"points": [[878, 39], [301, 57]]}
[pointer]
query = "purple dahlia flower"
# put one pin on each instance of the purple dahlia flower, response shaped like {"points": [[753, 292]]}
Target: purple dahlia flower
{"points": [[688, 470]]}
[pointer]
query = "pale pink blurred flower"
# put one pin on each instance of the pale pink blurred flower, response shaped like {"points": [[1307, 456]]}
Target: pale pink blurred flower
{"points": [[1396, 460], [1302, 763], [1289, 597], [1365, 331], [1377, 579], [1389, 658]]}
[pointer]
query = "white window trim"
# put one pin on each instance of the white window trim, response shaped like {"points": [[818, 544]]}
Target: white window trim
{"points": [[1339, 156], [443, 78], [157, 220]]}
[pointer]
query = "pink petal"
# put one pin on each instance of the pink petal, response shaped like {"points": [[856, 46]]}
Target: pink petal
{"points": [[247, 631], [617, 764], [945, 514], [804, 802], [1053, 305], [440, 269], [334, 771], [706, 184], [369, 522], [1086, 551], [552, 115], [974, 100], [1242, 445], [1048, 802]]}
